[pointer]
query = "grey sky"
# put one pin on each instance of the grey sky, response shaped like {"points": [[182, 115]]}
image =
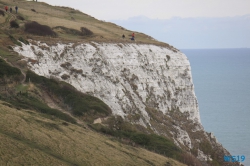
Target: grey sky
{"points": [[181, 23], [200, 32], [161, 9]]}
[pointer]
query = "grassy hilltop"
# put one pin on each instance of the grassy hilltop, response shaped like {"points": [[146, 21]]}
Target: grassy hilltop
{"points": [[67, 21]]}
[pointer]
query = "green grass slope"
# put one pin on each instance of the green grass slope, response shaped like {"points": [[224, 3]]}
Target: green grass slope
{"points": [[28, 138]]}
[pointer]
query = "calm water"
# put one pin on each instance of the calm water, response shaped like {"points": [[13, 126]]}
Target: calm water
{"points": [[222, 85]]}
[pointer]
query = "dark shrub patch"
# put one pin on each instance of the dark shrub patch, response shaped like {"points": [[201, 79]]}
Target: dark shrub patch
{"points": [[14, 24], [33, 10], [6, 69], [9, 47], [68, 30], [9, 73], [14, 40], [86, 31], [23, 40], [20, 17], [2, 13], [38, 29], [65, 123], [65, 76]]}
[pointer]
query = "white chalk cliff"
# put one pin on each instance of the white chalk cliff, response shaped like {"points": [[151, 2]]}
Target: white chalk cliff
{"points": [[127, 77]]}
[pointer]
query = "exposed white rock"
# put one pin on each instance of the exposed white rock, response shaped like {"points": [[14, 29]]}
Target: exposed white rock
{"points": [[183, 137], [203, 157], [127, 77], [99, 120]]}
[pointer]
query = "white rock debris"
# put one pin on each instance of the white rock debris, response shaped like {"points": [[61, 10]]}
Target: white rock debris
{"points": [[127, 77], [183, 137], [203, 157]]}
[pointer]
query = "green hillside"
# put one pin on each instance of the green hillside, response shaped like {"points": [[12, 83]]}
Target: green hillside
{"points": [[29, 138]]}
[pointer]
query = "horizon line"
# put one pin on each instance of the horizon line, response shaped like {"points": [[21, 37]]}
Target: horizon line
{"points": [[212, 48]]}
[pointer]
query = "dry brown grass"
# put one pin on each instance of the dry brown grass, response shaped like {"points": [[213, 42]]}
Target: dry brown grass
{"points": [[27, 138], [2, 18]]}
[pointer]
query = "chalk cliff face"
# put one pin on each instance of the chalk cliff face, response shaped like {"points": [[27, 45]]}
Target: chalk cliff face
{"points": [[145, 84], [127, 77]]}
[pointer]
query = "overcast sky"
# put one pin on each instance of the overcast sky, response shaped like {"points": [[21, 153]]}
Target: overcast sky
{"points": [[161, 9], [211, 23]]}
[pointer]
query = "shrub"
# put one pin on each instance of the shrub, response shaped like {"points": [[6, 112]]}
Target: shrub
{"points": [[14, 40], [65, 76], [20, 17], [14, 24], [38, 29], [8, 73], [86, 31], [83, 31], [33, 10], [6, 69], [2, 13], [23, 40], [68, 30], [9, 47]]}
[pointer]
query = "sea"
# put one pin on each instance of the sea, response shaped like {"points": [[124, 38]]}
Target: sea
{"points": [[222, 85]]}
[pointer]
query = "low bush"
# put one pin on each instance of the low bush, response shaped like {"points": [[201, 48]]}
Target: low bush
{"points": [[20, 17], [86, 31], [23, 40], [6, 69], [14, 40], [9, 47], [33, 10], [83, 31], [38, 29], [14, 24], [65, 76], [69, 30], [2, 13]]}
